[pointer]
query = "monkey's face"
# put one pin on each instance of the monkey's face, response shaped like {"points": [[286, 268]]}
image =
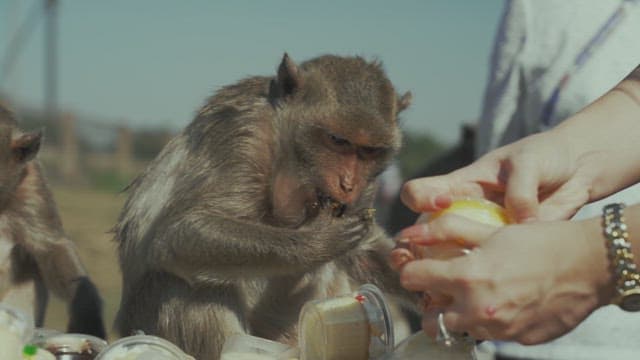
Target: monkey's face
{"points": [[342, 115], [343, 164]]}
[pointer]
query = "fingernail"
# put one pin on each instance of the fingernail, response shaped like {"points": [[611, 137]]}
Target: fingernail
{"points": [[413, 231], [442, 201]]}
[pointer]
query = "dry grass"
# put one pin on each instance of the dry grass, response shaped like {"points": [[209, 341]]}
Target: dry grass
{"points": [[88, 215]]}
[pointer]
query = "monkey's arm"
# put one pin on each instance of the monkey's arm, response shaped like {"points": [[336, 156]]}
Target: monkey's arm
{"points": [[371, 265], [64, 274], [204, 248]]}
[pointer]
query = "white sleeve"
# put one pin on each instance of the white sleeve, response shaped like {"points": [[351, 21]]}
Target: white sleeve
{"points": [[504, 82]]}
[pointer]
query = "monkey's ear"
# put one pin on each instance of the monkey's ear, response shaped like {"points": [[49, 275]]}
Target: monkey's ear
{"points": [[26, 146], [288, 79], [404, 101]]}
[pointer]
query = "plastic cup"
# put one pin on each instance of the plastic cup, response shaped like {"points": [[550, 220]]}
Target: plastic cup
{"points": [[15, 330], [353, 327], [247, 347], [73, 346], [142, 347]]}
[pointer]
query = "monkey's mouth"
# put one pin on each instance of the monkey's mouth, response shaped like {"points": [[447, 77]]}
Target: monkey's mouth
{"points": [[324, 201]]}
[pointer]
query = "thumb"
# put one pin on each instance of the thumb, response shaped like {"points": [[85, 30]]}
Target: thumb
{"points": [[521, 195]]}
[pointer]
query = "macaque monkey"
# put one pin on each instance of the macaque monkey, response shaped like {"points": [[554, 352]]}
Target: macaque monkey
{"points": [[261, 204], [35, 253]]}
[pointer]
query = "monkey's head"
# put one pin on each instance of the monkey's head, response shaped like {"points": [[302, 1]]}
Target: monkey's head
{"points": [[16, 149], [338, 126]]}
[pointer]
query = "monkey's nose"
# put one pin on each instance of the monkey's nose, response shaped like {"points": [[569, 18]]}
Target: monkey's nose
{"points": [[346, 187]]}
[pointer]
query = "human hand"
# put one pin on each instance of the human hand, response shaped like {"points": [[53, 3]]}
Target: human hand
{"points": [[537, 290], [538, 177]]}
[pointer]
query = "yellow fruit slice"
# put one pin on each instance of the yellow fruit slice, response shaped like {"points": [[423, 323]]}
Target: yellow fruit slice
{"points": [[480, 210]]}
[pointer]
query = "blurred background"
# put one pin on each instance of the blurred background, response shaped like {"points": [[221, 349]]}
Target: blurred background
{"points": [[112, 81]]}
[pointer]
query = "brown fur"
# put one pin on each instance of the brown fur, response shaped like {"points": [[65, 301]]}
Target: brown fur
{"points": [[261, 205], [35, 253]]}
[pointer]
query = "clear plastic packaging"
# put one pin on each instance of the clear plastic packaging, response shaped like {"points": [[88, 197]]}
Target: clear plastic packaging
{"points": [[353, 327], [247, 347], [419, 347], [142, 347], [16, 329], [72, 346]]}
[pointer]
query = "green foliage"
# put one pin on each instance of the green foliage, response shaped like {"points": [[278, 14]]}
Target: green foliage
{"points": [[108, 181], [417, 150]]}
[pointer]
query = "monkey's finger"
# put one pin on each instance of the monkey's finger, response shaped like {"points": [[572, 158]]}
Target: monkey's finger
{"points": [[399, 257], [449, 228]]}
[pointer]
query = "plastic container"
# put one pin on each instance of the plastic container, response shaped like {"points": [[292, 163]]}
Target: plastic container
{"points": [[143, 347], [354, 327], [32, 352], [420, 347], [72, 346], [16, 329], [247, 347]]}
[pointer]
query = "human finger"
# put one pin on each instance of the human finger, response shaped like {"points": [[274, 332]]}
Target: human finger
{"points": [[448, 227], [426, 194], [429, 274], [522, 184]]}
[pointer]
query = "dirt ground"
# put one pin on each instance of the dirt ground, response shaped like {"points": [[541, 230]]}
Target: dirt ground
{"points": [[88, 215]]}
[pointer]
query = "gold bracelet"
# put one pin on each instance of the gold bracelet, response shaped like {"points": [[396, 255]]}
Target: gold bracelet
{"points": [[622, 260]]}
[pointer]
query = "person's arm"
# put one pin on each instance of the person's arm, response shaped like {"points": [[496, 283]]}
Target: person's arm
{"points": [[550, 175], [606, 136], [526, 282]]}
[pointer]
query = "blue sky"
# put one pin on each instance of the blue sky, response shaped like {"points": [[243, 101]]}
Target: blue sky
{"points": [[153, 62]]}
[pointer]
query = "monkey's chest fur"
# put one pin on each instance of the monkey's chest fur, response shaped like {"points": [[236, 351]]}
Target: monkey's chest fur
{"points": [[274, 304]]}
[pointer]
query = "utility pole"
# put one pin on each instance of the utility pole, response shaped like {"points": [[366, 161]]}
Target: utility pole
{"points": [[51, 61]]}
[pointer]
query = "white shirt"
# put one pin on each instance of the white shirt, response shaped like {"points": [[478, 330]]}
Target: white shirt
{"points": [[537, 41]]}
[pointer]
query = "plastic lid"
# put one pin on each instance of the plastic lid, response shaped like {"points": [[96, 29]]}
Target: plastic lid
{"points": [[142, 347]]}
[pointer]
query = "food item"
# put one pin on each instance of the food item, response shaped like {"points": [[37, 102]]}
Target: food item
{"points": [[479, 210], [335, 329], [74, 346], [351, 327]]}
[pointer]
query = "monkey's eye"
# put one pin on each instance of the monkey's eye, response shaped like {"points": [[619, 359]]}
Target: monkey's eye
{"points": [[338, 140], [370, 151]]}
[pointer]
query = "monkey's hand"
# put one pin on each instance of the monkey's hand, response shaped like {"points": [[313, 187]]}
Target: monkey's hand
{"points": [[86, 310], [345, 233]]}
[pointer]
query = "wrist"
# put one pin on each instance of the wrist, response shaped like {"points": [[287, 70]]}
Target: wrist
{"points": [[601, 276]]}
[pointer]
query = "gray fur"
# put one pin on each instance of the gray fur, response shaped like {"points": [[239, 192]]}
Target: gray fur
{"points": [[208, 246], [35, 253]]}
